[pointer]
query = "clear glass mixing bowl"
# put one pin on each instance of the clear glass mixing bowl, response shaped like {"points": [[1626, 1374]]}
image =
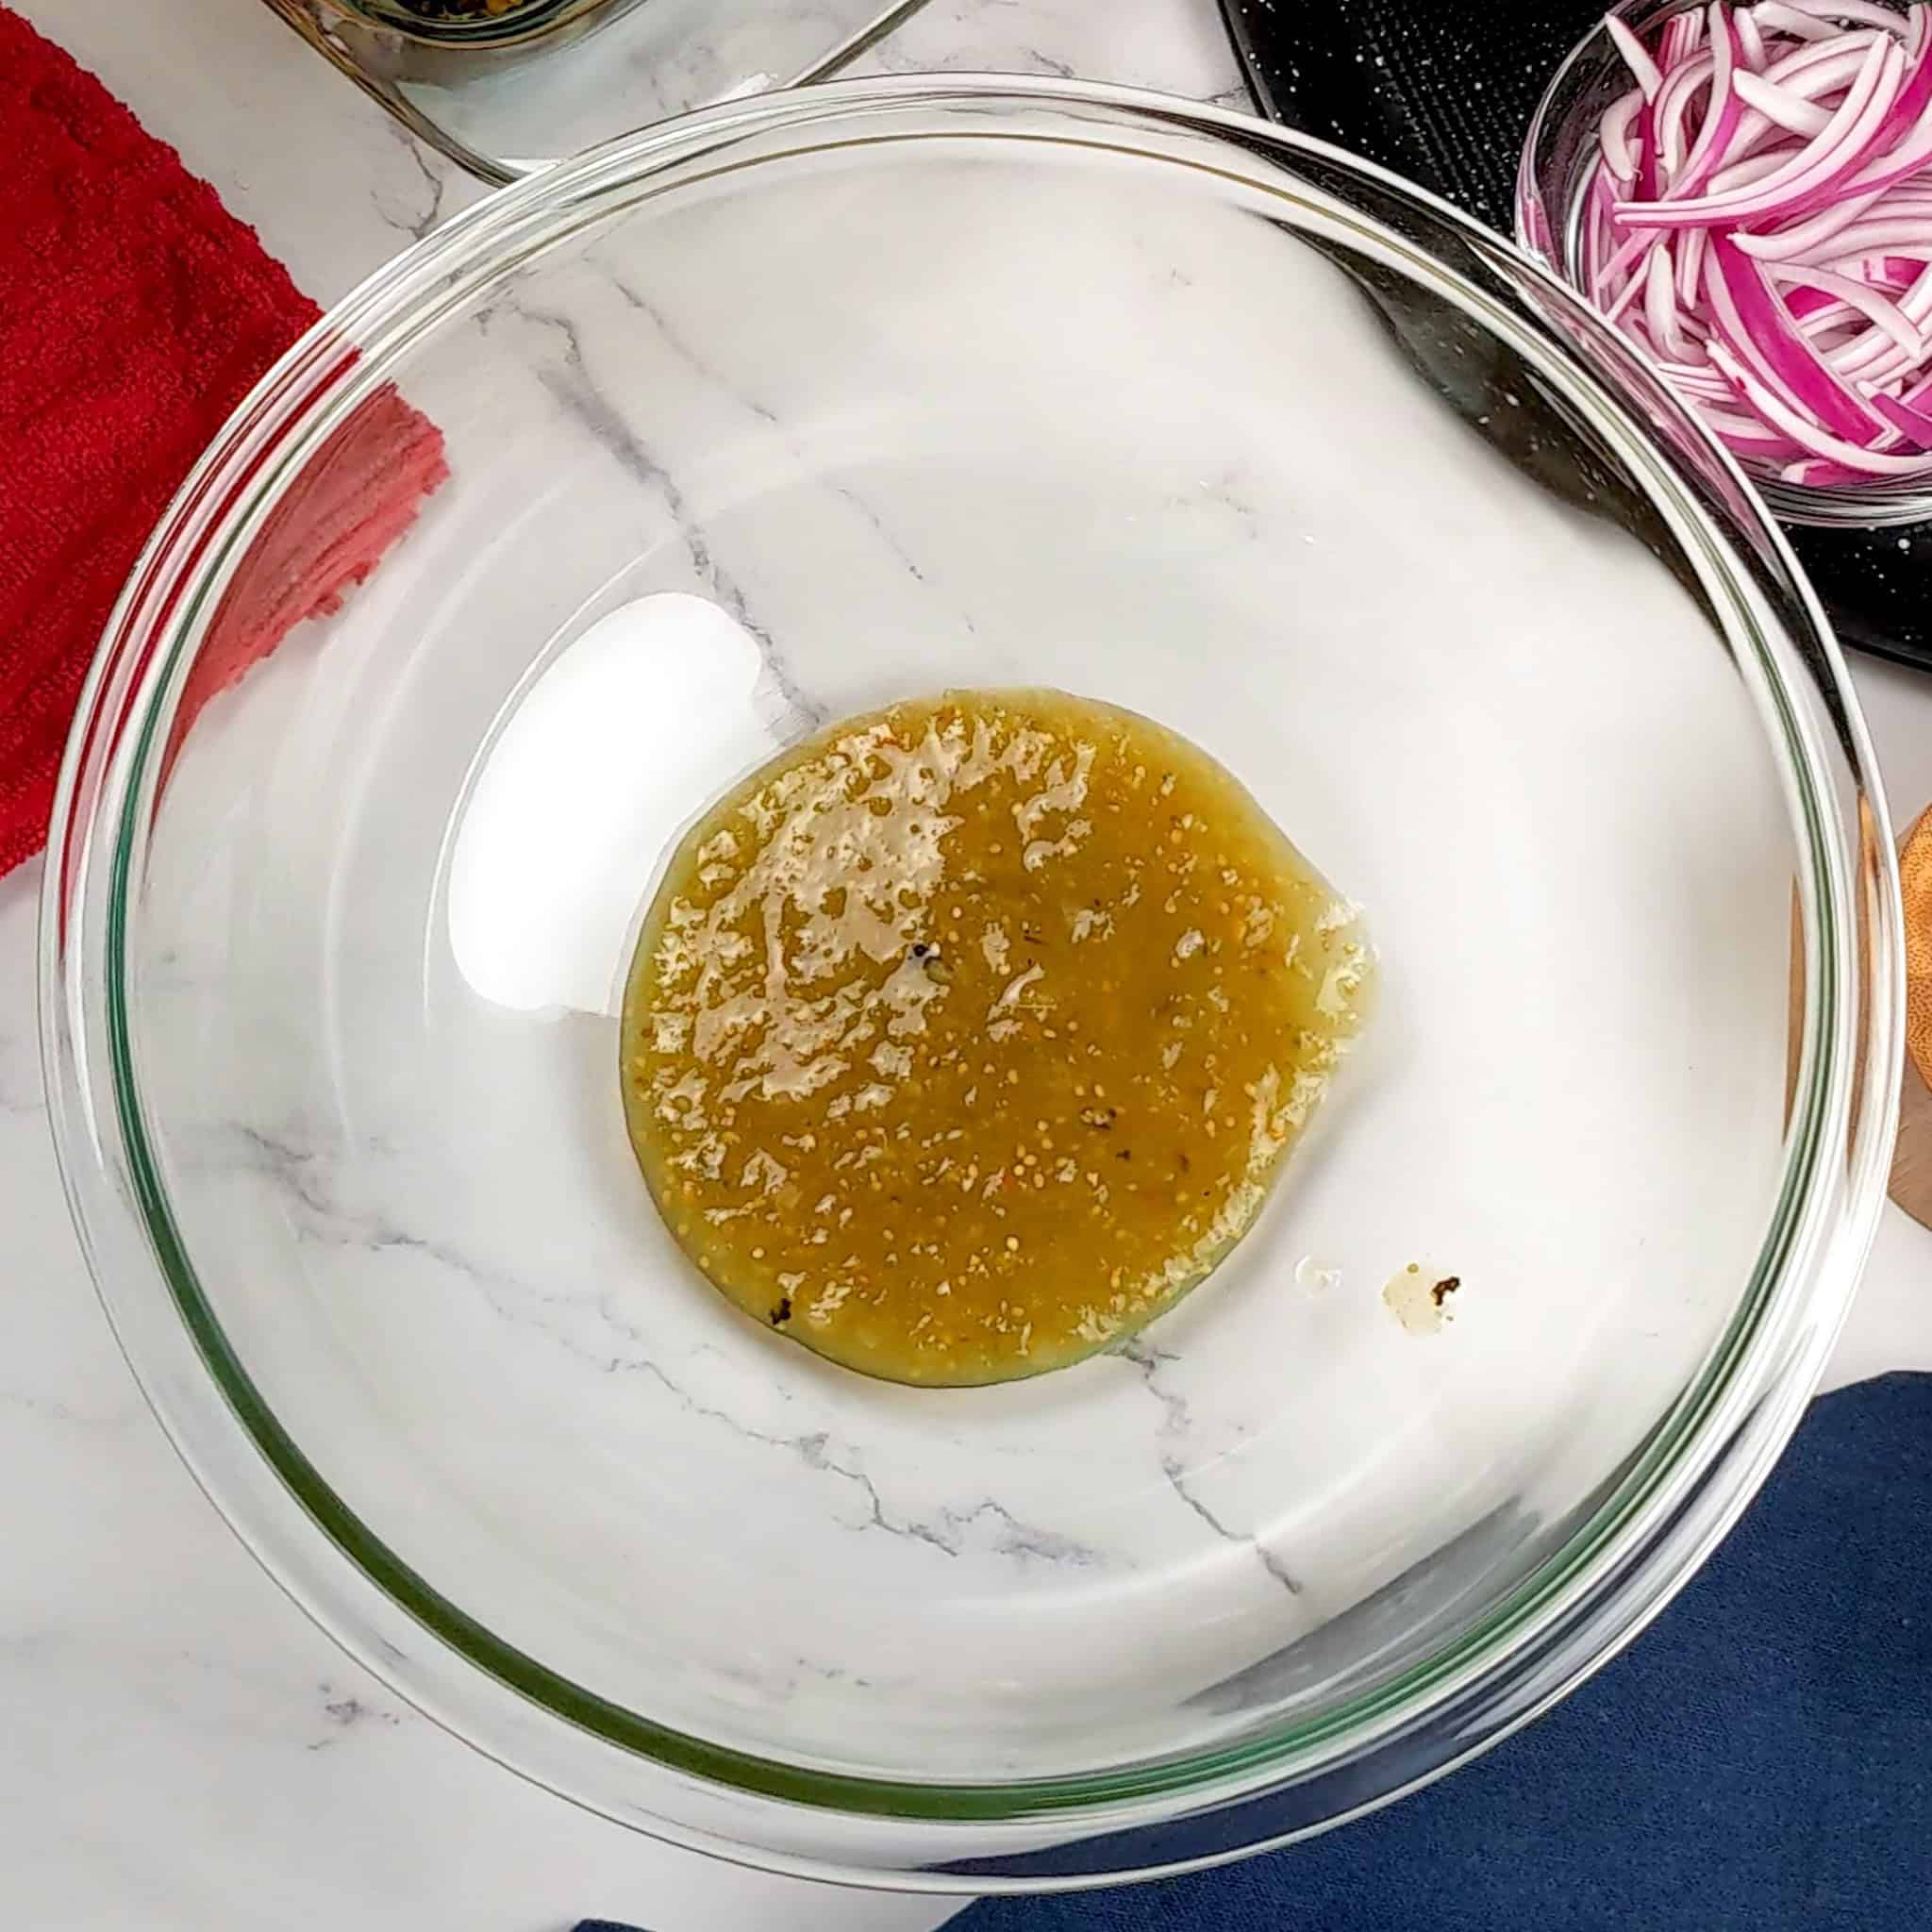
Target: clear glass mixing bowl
{"points": [[780, 412]]}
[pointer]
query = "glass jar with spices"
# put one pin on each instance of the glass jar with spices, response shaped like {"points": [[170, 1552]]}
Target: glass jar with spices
{"points": [[504, 87]]}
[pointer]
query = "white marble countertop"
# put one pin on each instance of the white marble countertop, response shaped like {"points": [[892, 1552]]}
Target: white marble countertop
{"points": [[185, 1750]]}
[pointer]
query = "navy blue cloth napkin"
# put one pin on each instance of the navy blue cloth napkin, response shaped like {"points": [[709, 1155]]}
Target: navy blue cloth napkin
{"points": [[1760, 1760]]}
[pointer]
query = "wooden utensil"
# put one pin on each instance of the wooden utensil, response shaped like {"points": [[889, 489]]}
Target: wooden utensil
{"points": [[1911, 1166]]}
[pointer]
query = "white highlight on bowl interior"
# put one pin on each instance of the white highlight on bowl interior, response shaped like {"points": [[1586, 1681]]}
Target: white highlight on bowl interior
{"points": [[597, 769]]}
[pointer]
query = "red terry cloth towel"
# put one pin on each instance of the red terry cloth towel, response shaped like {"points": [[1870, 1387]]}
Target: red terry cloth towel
{"points": [[135, 313]]}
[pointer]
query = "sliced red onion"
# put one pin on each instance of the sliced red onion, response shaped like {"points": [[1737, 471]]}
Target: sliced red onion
{"points": [[1690, 248], [1869, 359], [1672, 103], [1793, 22], [1626, 296], [1784, 106], [1818, 76], [1869, 238], [1907, 159], [1750, 41], [1883, 314], [1661, 306], [1843, 146], [1615, 133], [1792, 241], [1866, 11], [1914, 425], [1814, 475], [1779, 415], [1636, 57], [1817, 316], [1794, 62], [1760, 222], [1682, 36], [1757, 329], [1745, 174], [1747, 431], [1905, 133], [1898, 148], [1723, 110]]}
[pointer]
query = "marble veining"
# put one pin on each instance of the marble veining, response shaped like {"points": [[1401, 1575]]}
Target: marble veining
{"points": [[577, 396], [1150, 1359], [424, 192], [675, 339], [344, 1712], [599, 1332]]}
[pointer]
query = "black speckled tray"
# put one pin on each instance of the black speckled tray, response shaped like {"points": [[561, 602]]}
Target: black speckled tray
{"points": [[1441, 90]]}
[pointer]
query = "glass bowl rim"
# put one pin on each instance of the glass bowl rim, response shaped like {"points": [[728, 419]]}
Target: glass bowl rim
{"points": [[1574, 1611]]}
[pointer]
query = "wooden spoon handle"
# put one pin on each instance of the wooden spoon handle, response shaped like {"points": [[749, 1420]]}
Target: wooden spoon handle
{"points": [[1911, 1166]]}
